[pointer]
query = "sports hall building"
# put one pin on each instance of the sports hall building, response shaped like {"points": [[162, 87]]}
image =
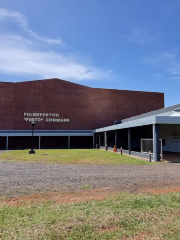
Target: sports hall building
{"points": [[70, 115]]}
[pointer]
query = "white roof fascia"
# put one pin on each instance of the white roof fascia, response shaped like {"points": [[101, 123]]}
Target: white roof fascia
{"points": [[129, 124], [167, 119], [143, 122]]}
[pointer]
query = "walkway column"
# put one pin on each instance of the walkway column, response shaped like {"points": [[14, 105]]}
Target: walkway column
{"points": [[116, 138], [7, 143], [99, 140], [69, 142], [105, 139], [39, 142], [156, 142], [129, 140]]}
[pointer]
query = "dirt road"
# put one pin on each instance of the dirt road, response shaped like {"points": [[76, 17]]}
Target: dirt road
{"points": [[17, 178]]}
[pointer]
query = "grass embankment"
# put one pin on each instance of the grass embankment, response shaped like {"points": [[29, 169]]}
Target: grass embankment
{"points": [[72, 156], [126, 216]]}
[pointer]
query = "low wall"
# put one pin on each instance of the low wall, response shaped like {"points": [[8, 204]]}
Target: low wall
{"points": [[102, 148], [142, 155], [110, 149], [132, 153]]}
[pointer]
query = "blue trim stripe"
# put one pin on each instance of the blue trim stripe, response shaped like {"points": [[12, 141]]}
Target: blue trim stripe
{"points": [[46, 131]]}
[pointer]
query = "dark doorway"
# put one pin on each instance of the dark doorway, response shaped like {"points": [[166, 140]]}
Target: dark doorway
{"points": [[54, 142], [122, 138], [111, 139], [79, 142], [16, 143], [2, 143], [102, 142]]}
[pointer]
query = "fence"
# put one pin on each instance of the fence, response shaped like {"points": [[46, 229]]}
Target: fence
{"points": [[147, 146]]}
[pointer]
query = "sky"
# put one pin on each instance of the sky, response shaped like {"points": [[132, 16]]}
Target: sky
{"points": [[116, 44]]}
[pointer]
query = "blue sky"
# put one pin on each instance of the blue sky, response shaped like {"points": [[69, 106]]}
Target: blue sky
{"points": [[118, 44]]}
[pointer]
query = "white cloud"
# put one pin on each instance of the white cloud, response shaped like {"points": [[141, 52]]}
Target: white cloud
{"points": [[5, 13], [20, 19], [168, 61], [138, 36], [19, 56], [44, 39], [22, 55]]}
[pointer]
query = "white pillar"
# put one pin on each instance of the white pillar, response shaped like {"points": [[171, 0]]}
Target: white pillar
{"points": [[156, 144]]}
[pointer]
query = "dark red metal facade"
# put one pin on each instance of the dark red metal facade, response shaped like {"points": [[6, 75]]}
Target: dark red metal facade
{"points": [[86, 108]]}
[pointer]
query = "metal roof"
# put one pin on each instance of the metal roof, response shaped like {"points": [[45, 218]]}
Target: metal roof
{"points": [[169, 115]]}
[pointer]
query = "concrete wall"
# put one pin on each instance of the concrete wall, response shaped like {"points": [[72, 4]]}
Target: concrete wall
{"points": [[87, 108], [166, 133]]}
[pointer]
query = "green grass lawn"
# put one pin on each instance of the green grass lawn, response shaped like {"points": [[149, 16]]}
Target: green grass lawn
{"points": [[126, 216], [72, 156]]}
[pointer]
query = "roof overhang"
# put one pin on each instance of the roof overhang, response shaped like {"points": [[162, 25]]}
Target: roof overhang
{"points": [[142, 122]]}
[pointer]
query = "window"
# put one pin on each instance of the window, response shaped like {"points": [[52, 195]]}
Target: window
{"points": [[175, 136]]}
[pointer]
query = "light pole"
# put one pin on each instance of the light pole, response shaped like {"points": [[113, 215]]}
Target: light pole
{"points": [[32, 151]]}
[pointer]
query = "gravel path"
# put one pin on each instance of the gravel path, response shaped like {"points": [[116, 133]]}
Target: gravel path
{"points": [[17, 178]]}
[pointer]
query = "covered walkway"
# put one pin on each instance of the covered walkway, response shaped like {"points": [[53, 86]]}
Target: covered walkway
{"points": [[160, 129]]}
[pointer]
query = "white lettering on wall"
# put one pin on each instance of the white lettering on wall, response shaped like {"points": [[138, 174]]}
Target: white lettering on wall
{"points": [[47, 117]]}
